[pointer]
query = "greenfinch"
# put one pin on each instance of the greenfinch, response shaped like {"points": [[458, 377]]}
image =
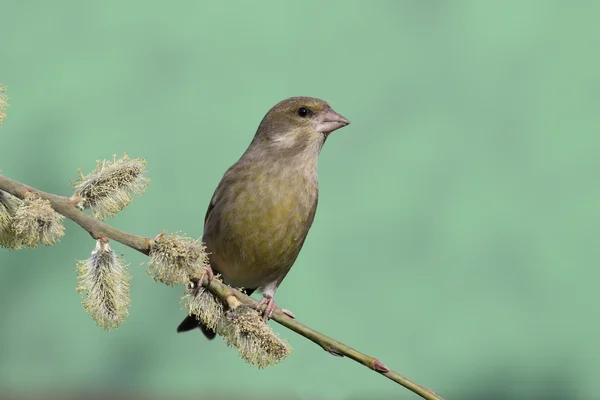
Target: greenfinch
{"points": [[265, 204]]}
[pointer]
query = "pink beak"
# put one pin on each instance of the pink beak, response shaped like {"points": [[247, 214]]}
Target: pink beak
{"points": [[330, 121]]}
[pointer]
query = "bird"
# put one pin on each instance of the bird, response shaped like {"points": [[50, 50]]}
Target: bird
{"points": [[263, 207]]}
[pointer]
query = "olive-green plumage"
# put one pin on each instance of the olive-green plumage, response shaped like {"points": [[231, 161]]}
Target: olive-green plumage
{"points": [[264, 206]]}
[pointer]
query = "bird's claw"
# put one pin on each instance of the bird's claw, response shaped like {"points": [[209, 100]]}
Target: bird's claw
{"points": [[207, 273], [270, 307]]}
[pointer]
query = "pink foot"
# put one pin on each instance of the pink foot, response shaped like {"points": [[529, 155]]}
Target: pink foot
{"points": [[207, 273], [270, 307]]}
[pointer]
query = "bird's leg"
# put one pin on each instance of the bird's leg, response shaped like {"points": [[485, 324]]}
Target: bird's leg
{"points": [[269, 302], [270, 308]]}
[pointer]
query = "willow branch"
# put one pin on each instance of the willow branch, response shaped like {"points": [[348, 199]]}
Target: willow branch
{"points": [[100, 230], [60, 204]]}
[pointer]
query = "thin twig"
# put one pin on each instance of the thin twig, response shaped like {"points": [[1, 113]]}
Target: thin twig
{"points": [[101, 230]]}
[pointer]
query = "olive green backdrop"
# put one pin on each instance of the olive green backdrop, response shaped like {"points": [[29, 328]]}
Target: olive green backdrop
{"points": [[457, 230]]}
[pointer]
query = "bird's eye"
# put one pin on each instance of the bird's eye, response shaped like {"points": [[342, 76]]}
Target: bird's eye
{"points": [[304, 112]]}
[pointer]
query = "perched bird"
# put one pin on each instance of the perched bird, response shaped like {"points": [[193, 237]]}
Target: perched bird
{"points": [[262, 209]]}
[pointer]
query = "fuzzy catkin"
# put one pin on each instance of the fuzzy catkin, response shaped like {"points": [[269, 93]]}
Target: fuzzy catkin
{"points": [[103, 282], [110, 187], [176, 259]]}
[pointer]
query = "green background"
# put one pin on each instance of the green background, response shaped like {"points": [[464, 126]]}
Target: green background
{"points": [[457, 231]]}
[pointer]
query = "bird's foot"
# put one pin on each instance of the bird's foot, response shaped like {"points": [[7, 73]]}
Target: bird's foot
{"points": [[270, 307], [207, 273]]}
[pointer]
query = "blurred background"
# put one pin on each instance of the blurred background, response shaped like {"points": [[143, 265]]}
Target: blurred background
{"points": [[457, 231]]}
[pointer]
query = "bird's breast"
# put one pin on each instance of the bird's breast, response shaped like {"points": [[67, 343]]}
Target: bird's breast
{"points": [[262, 225]]}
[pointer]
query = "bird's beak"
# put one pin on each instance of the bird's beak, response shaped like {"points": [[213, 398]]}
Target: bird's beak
{"points": [[330, 121]]}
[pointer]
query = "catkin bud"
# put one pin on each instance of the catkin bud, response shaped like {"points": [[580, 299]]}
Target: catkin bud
{"points": [[5, 218], [176, 259], [8, 237], [35, 222], [103, 282], [10, 202], [244, 329], [3, 103], [111, 185]]}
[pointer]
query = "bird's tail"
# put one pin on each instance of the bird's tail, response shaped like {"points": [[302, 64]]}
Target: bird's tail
{"points": [[191, 322]]}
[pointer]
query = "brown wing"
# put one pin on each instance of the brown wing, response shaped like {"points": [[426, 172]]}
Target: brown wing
{"points": [[225, 181], [211, 205]]}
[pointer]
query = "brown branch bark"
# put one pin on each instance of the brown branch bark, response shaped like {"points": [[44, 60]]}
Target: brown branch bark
{"points": [[101, 230]]}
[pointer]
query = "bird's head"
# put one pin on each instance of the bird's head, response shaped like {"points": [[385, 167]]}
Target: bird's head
{"points": [[296, 125]]}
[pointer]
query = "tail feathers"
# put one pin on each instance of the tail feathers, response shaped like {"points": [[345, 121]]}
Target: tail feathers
{"points": [[191, 322], [208, 333]]}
